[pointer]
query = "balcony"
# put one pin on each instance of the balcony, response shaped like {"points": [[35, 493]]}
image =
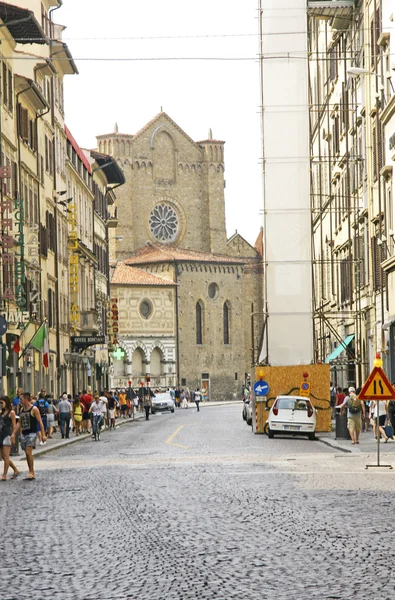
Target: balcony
{"points": [[88, 322], [338, 11]]}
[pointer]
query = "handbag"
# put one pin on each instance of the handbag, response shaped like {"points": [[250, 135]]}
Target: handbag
{"points": [[389, 432]]}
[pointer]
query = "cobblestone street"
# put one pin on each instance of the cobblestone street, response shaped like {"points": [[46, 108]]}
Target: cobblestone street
{"points": [[194, 506]]}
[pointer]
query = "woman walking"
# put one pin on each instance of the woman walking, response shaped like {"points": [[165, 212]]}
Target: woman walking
{"points": [[50, 417], [77, 415], [8, 428]]}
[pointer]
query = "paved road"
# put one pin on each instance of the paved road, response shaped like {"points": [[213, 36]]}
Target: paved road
{"points": [[193, 506]]}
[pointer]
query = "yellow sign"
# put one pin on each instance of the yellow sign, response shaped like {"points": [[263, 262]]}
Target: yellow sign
{"points": [[304, 389], [377, 387]]}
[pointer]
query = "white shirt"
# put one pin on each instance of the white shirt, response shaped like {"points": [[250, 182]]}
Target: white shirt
{"points": [[104, 401], [97, 407]]}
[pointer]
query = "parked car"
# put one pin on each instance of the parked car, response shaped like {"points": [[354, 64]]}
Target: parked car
{"points": [[161, 402], [292, 415]]}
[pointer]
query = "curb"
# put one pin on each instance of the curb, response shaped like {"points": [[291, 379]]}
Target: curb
{"points": [[63, 443]]}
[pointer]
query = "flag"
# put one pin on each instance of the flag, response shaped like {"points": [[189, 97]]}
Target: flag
{"points": [[40, 342], [17, 346]]}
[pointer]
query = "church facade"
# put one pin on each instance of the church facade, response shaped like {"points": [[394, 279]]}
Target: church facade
{"points": [[189, 300]]}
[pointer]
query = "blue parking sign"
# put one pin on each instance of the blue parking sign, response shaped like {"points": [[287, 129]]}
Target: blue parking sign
{"points": [[261, 388]]}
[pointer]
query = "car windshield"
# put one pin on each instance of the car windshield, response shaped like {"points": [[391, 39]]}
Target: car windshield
{"points": [[292, 403]]}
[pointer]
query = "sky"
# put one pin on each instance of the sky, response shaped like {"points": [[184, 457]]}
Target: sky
{"points": [[197, 94]]}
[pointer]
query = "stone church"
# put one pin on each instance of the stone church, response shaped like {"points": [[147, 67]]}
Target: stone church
{"points": [[189, 300]]}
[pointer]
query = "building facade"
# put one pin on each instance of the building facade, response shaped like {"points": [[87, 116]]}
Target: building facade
{"points": [[352, 106], [189, 301]]}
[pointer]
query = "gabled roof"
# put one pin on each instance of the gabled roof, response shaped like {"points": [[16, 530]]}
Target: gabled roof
{"points": [[158, 253], [22, 24], [125, 275], [164, 116]]}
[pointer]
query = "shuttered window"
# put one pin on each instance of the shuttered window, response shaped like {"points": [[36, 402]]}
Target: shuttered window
{"points": [[226, 315]]}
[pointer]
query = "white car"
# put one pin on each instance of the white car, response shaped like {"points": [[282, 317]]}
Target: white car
{"points": [[292, 415], [161, 402]]}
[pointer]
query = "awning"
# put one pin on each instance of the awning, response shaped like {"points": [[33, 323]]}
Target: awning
{"points": [[22, 24], [337, 351], [385, 326], [31, 90]]}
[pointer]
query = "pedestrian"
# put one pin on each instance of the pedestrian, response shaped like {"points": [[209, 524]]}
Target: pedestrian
{"points": [[141, 397], [104, 402], [204, 394], [77, 415], [8, 430], [42, 406], [177, 396], [16, 403], [123, 403], [391, 413], [29, 417], [197, 398], [187, 396], [65, 411], [50, 417], [112, 405], [86, 401], [147, 402], [355, 414], [380, 409], [173, 394], [332, 391]]}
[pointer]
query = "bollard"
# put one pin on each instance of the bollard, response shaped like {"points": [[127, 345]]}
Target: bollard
{"points": [[342, 432]]}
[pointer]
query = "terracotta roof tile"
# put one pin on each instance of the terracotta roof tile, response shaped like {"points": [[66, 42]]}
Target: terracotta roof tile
{"points": [[123, 274], [156, 253]]}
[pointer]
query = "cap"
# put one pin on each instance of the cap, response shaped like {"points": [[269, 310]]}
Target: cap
{"points": [[351, 389], [64, 396]]}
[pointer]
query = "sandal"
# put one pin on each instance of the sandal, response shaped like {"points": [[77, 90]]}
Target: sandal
{"points": [[29, 479], [15, 475]]}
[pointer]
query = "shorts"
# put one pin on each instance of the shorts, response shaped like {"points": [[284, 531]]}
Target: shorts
{"points": [[111, 413], [86, 415], [6, 441], [124, 407], [50, 420], [28, 440], [382, 420], [354, 423]]}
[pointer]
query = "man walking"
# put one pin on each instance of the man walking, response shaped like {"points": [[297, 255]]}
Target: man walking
{"points": [[355, 414], [29, 419], [65, 411], [198, 397]]}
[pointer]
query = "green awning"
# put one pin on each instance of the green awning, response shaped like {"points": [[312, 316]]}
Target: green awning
{"points": [[339, 348]]}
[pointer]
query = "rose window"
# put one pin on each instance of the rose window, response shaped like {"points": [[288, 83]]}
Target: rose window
{"points": [[163, 223]]}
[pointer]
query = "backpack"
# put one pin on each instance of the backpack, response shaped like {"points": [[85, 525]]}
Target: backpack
{"points": [[41, 407], [354, 405]]}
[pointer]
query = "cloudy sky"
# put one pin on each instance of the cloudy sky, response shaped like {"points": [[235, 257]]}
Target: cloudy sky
{"points": [[109, 42]]}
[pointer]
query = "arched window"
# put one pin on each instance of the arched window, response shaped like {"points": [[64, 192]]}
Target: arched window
{"points": [[199, 323], [226, 323]]}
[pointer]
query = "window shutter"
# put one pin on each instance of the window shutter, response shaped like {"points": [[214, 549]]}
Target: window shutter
{"points": [[374, 143], [24, 132], [5, 81], [10, 91], [14, 180]]}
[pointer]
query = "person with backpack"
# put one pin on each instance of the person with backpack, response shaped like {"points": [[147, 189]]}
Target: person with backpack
{"points": [[355, 414], [42, 406]]}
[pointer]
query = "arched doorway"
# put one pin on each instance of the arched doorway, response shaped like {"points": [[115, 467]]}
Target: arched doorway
{"points": [[138, 365], [157, 367]]}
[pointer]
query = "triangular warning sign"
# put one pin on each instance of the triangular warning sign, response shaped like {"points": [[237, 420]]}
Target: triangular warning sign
{"points": [[377, 387]]}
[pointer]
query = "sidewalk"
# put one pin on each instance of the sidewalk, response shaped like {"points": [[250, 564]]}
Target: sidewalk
{"points": [[57, 442], [367, 443]]}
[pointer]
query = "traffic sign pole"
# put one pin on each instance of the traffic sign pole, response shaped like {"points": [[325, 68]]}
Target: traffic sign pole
{"points": [[379, 388]]}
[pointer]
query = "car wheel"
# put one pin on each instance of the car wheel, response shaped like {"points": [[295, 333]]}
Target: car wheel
{"points": [[172, 410], [249, 421], [270, 434], [312, 436], [266, 429]]}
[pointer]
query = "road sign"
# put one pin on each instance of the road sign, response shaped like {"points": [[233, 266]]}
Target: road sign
{"points": [[261, 388], [377, 387], [304, 389]]}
